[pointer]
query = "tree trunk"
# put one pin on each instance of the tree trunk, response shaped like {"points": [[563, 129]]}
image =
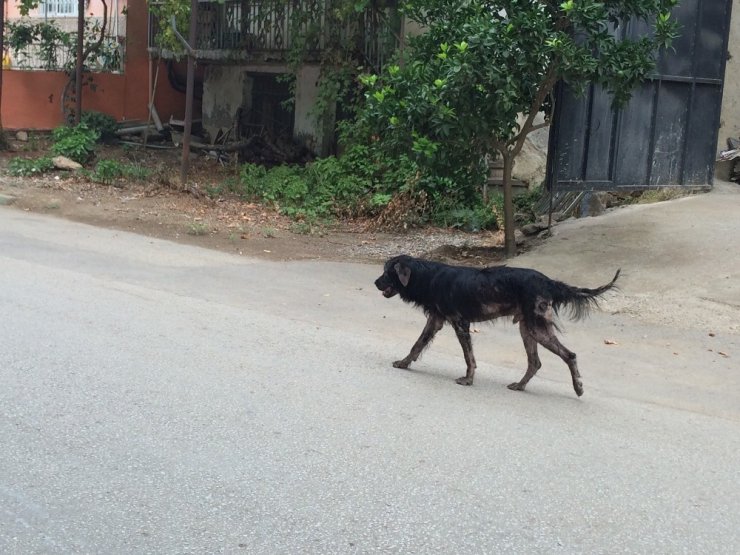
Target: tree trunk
{"points": [[80, 60], [509, 240], [3, 139]]}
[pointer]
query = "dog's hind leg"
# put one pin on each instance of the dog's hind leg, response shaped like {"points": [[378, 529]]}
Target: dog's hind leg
{"points": [[533, 359], [462, 330], [545, 336], [433, 325]]}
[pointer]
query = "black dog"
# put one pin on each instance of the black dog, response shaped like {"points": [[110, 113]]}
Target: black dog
{"points": [[461, 295]]}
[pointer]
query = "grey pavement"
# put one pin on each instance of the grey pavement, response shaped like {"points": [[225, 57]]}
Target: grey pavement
{"points": [[160, 398]]}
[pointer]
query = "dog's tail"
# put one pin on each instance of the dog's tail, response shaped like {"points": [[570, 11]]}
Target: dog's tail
{"points": [[578, 300]]}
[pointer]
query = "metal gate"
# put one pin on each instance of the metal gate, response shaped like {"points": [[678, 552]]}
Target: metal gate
{"points": [[667, 133]]}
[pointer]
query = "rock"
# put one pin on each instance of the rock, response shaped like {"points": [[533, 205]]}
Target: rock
{"points": [[534, 228], [21, 136], [520, 217], [530, 164], [64, 163], [519, 238], [6, 199], [593, 204]]}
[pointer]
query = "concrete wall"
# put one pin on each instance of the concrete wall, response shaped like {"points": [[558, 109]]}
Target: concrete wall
{"points": [[730, 119], [225, 90], [317, 136]]}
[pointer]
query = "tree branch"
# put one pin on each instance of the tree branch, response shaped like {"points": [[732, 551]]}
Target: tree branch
{"points": [[548, 82], [539, 126], [96, 46]]}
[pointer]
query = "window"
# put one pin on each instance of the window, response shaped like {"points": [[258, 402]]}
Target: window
{"points": [[58, 8]]}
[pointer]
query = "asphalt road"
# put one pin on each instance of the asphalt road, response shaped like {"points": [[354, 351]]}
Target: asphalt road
{"points": [[159, 398]]}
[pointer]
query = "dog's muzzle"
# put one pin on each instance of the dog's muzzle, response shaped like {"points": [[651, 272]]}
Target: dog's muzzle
{"points": [[388, 292], [387, 289]]}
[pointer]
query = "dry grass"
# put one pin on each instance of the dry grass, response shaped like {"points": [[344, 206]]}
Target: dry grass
{"points": [[663, 194]]}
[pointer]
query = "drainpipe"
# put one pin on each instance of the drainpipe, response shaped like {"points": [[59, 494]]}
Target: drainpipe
{"points": [[78, 68], [192, 38]]}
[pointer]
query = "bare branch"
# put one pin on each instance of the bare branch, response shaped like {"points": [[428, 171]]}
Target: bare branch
{"points": [[539, 126]]}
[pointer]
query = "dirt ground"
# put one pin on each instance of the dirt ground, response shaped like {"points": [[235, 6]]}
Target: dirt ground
{"points": [[160, 208]]}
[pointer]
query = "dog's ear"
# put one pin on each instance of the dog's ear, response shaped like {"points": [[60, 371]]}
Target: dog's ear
{"points": [[403, 272]]}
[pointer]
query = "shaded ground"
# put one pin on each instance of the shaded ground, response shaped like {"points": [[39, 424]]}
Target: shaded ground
{"points": [[160, 209]]}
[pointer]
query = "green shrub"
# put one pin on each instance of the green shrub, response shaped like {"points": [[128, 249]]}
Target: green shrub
{"points": [[77, 143], [524, 203], [475, 217], [30, 166], [107, 172], [104, 124], [322, 189], [136, 172]]}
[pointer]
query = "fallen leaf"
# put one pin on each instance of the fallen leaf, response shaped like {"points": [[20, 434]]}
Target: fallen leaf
{"points": [[723, 354], [711, 334], [266, 250], [610, 342]]}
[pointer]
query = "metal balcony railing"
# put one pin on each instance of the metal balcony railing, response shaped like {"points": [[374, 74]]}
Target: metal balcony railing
{"points": [[268, 29]]}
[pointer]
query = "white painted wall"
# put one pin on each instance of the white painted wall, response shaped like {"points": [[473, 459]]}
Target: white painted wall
{"points": [[730, 118]]}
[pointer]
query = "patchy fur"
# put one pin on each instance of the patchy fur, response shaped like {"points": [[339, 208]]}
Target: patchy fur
{"points": [[459, 295]]}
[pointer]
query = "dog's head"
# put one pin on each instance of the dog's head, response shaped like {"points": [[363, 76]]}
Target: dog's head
{"points": [[396, 276]]}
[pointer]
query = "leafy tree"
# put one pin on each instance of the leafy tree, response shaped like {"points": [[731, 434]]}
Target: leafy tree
{"points": [[472, 84]]}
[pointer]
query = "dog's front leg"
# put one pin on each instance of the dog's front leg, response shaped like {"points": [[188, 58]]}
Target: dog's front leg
{"points": [[462, 330], [433, 325]]}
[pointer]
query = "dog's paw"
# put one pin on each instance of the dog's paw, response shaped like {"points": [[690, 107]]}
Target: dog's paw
{"points": [[464, 381], [578, 386], [404, 364], [516, 386]]}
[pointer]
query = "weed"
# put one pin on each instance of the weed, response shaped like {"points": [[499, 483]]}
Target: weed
{"points": [[30, 166], [53, 205], [662, 194], [301, 228], [269, 232], [136, 172], [524, 203], [213, 191], [107, 172], [197, 229]]}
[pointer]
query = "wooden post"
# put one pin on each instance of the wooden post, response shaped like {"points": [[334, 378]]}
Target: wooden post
{"points": [[190, 83], [3, 140]]}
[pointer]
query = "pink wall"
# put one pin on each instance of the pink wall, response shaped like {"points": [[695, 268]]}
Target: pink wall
{"points": [[31, 99]]}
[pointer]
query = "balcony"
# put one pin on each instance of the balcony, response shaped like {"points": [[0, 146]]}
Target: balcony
{"points": [[242, 31]]}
